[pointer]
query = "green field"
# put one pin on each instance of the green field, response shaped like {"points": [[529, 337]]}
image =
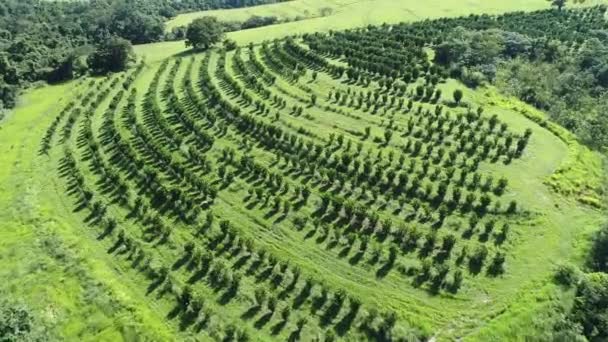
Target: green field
{"points": [[348, 14], [153, 145]]}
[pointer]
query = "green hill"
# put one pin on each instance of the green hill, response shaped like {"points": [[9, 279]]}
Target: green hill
{"points": [[325, 186]]}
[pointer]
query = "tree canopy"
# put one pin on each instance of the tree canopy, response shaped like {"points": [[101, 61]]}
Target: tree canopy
{"points": [[204, 32], [558, 3], [39, 40], [17, 324], [111, 56], [598, 256]]}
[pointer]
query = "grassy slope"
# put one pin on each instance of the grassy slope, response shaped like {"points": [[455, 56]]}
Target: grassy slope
{"points": [[554, 237], [84, 281], [91, 277], [348, 14], [49, 259]]}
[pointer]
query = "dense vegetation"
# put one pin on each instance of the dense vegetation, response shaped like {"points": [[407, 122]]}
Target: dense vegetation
{"points": [[587, 318], [17, 324], [41, 40]]}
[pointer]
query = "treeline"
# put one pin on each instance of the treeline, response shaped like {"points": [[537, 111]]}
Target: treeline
{"points": [[554, 60], [47, 40]]}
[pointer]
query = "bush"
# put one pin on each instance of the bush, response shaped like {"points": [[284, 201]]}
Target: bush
{"points": [[458, 95], [17, 324], [590, 309], [472, 78], [598, 256], [258, 21], [566, 275], [230, 45]]}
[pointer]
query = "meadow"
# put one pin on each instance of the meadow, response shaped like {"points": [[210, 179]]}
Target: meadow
{"points": [[346, 14], [273, 193]]}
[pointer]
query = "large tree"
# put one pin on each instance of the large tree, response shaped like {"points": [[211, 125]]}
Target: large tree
{"points": [[203, 32], [558, 3], [598, 256], [111, 56]]}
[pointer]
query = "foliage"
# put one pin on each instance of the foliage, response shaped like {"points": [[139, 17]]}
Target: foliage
{"points": [[588, 316], [44, 40], [230, 44], [574, 88], [128, 21], [598, 255], [17, 323], [258, 21], [223, 182], [114, 55], [567, 275], [590, 310], [204, 32], [457, 95], [558, 3]]}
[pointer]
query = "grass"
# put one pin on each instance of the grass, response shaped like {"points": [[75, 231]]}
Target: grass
{"points": [[345, 14], [348, 14], [36, 218], [72, 285], [57, 265]]}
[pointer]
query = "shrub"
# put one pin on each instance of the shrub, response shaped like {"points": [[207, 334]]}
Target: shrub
{"points": [[598, 256], [230, 45], [17, 324], [458, 95], [567, 275]]}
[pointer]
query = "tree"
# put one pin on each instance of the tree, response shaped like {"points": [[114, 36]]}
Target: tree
{"points": [[8, 95], [113, 55], [388, 134], [230, 45], [203, 32], [590, 309], [130, 23], [258, 21], [458, 95], [18, 324], [558, 3], [598, 256]]}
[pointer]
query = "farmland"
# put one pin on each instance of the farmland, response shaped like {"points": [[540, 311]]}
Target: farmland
{"points": [[307, 16], [298, 188]]}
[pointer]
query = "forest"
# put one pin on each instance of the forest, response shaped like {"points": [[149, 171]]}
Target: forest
{"points": [[43, 40]]}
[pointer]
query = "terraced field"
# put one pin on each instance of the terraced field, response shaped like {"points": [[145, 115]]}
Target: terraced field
{"points": [[302, 189]]}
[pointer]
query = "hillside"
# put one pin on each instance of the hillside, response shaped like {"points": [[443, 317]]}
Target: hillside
{"points": [[325, 186], [310, 16]]}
